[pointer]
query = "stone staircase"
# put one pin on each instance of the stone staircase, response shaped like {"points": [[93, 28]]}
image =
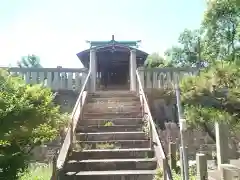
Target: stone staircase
{"points": [[110, 142]]}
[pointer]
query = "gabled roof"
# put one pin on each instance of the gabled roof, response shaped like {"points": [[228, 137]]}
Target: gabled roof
{"points": [[112, 46]]}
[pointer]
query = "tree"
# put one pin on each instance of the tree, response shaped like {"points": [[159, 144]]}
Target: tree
{"points": [[28, 118], [155, 60], [188, 52], [30, 61], [212, 96], [220, 24]]}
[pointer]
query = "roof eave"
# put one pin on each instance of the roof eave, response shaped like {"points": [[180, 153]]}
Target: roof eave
{"points": [[80, 54]]}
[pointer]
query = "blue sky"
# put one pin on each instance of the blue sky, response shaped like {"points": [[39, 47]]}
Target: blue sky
{"points": [[56, 30]]}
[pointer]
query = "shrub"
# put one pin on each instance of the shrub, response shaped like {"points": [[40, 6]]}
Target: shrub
{"points": [[37, 172], [28, 118]]}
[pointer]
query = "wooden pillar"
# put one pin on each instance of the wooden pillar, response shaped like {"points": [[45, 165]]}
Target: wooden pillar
{"points": [[93, 69], [133, 68]]}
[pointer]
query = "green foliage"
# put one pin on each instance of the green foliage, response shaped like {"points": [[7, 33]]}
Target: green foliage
{"points": [[37, 172], [220, 24], [217, 39], [28, 118], [155, 60], [212, 96], [29, 61], [187, 53], [159, 174], [192, 175], [176, 176], [109, 123]]}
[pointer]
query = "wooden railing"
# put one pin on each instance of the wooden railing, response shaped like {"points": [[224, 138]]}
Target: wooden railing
{"points": [[54, 78], [68, 141], [163, 77], [154, 138]]}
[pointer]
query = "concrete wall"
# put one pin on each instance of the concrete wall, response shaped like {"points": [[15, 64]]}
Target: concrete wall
{"points": [[66, 100]]}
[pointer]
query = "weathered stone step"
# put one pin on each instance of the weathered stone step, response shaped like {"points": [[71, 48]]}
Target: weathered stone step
{"points": [[112, 154], [115, 121], [110, 94], [111, 108], [108, 127], [112, 99], [112, 115], [110, 164], [111, 175], [112, 103], [114, 144], [104, 136]]}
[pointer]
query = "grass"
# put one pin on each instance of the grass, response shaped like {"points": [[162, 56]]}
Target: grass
{"points": [[37, 171], [176, 176]]}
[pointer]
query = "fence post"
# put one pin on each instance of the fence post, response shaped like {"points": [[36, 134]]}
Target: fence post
{"points": [[164, 168], [54, 168], [222, 131], [184, 162], [172, 155], [201, 161], [71, 136]]}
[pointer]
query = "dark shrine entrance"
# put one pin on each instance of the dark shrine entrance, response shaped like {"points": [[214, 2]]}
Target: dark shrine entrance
{"points": [[113, 69], [112, 62]]}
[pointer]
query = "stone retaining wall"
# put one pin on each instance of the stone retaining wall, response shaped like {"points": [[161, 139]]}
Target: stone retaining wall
{"points": [[163, 107]]}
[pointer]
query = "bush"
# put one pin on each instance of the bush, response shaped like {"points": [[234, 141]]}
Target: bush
{"points": [[37, 172], [176, 176], [28, 118]]}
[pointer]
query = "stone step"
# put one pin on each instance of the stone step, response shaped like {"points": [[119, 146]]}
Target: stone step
{"points": [[113, 103], [111, 175], [115, 121], [114, 144], [111, 108], [105, 136], [110, 94], [110, 164], [112, 99], [108, 127], [112, 115], [112, 154]]}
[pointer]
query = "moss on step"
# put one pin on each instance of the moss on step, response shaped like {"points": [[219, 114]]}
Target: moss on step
{"points": [[145, 127], [159, 174], [80, 147], [147, 155], [109, 123], [105, 146]]}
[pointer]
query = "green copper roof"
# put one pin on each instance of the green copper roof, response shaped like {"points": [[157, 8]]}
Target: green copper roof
{"points": [[113, 42]]}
